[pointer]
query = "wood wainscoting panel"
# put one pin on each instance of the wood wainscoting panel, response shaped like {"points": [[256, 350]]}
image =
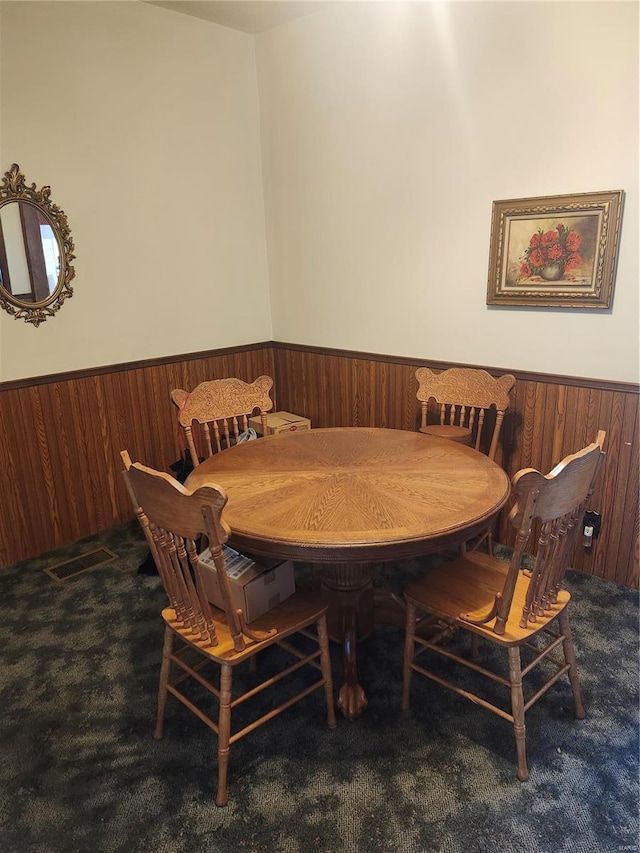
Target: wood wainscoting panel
{"points": [[61, 437], [337, 389], [550, 417], [551, 420]]}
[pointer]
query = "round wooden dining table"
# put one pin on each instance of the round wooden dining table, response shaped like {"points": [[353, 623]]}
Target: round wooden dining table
{"points": [[347, 499]]}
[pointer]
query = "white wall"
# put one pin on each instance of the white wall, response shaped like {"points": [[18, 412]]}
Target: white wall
{"points": [[145, 123], [388, 130]]}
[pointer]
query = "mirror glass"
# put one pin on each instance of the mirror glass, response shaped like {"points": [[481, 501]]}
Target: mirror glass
{"points": [[35, 251], [29, 252]]}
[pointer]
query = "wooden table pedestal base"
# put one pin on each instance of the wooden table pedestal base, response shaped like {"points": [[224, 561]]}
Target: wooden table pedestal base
{"points": [[348, 590], [354, 608]]}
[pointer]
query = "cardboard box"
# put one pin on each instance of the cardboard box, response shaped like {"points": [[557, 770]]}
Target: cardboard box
{"points": [[254, 588], [278, 422]]}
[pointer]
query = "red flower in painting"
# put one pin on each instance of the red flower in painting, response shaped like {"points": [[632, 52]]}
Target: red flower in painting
{"points": [[536, 258], [573, 241], [551, 253]]}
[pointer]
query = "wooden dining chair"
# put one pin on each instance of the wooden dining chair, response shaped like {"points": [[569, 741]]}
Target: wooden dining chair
{"points": [[512, 608], [198, 635], [222, 407], [465, 398]]}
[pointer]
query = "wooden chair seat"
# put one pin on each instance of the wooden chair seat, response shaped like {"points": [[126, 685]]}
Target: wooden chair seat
{"points": [[467, 587], [463, 435], [513, 608], [291, 615]]}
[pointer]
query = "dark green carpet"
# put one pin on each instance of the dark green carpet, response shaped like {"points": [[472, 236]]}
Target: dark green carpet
{"points": [[80, 770]]}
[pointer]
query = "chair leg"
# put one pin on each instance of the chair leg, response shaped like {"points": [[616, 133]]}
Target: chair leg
{"points": [[224, 733], [408, 654], [517, 709], [490, 543], [165, 669], [570, 658], [325, 665]]}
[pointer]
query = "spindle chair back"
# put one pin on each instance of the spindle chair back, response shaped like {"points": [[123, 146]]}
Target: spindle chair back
{"points": [[222, 407], [464, 398]]}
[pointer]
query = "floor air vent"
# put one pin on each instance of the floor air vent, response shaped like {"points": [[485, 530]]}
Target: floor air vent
{"points": [[77, 565]]}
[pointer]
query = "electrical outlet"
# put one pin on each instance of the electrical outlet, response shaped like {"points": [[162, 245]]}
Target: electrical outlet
{"points": [[590, 528], [592, 519]]}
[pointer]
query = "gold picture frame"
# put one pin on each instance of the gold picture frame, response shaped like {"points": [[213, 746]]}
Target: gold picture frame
{"points": [[555, 251]]}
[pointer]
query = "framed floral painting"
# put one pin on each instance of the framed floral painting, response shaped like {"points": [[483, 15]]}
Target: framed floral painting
{"points": [[557, 250]]}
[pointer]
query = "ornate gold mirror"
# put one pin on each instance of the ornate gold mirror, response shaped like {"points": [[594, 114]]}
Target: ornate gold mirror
{"points": [[36, 250]]}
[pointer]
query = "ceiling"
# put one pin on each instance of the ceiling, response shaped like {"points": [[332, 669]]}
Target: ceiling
{"points": [[250, 16]]}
